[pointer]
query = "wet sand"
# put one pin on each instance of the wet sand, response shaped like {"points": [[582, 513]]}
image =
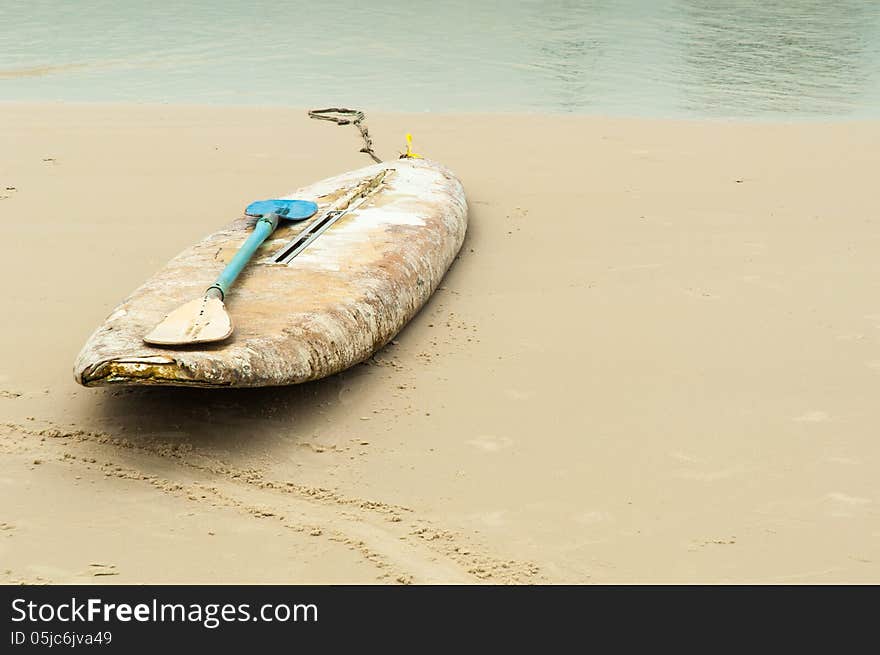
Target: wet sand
{"points": [[656, 359]]}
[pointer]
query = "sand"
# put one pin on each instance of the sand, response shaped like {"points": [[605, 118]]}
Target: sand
{"points": [[657, 359]]}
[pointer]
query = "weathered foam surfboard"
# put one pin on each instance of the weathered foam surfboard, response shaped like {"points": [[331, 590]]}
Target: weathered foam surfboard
{"points": [[341, 299]]}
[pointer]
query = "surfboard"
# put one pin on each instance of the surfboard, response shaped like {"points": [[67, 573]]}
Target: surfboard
{"points": [[301, 312]]}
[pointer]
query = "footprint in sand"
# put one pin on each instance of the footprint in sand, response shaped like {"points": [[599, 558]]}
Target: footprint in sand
{"points": [[684, 457], [708, 476], [834, 459], [841, 497], [850, 337], [594, 516], [492, 519], [814, 416], [845, 506], [346, 396], [702, 476], [516, 394], [490, 443]]}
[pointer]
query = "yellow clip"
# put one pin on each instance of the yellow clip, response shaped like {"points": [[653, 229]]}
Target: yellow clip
{"points": [[409, 153]]}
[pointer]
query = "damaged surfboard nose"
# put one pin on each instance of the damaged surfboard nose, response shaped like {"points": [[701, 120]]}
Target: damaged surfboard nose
{"points": [[151, 369]]}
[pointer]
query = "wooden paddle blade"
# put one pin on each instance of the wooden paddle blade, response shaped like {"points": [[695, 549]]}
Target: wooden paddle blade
{"points": [[199, 321]]}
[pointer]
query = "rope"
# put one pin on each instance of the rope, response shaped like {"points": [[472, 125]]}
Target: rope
{"points": [[338, 115]]}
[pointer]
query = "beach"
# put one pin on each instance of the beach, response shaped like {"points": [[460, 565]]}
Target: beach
{"points": [[656, 359]]}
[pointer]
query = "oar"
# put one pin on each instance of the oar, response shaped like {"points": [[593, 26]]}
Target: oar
{"points": [[205, 319]]}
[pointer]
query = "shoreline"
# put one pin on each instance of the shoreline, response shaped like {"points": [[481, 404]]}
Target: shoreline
{"points": [[655, 359], [513, 114]]}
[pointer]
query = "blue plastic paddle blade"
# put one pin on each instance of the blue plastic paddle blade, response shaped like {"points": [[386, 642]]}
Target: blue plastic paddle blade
{"points": [[292, 210]]}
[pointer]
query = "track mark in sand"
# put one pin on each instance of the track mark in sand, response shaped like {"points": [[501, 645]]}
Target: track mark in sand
{"points": [[383, 546], [11, 579], [480, 566], [99, 570], [9, 394], [401, 547], [186, 456]]}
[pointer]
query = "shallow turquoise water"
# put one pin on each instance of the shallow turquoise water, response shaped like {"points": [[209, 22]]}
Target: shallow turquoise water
{"points": [[682, 58]]}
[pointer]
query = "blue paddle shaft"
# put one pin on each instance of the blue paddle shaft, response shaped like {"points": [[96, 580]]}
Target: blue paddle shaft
{"points": [[264, 227]]}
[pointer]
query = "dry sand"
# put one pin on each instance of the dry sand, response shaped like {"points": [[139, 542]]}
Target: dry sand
{"points": [[657, 359]]}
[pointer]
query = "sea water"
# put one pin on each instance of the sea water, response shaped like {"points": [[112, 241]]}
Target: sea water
{"points": [[681, 58]]}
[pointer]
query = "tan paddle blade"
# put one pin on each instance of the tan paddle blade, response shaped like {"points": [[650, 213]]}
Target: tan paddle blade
{"points": [[199, 321]]}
